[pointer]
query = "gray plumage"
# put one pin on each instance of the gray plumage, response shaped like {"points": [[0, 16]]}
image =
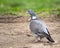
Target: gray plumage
{"points": [[38, 26]]}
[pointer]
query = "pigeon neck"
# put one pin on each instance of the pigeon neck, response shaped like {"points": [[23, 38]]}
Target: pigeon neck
{"points": [[33, 17]]}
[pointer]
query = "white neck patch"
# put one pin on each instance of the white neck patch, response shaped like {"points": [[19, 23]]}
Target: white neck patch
{"points": [[34, 17]]}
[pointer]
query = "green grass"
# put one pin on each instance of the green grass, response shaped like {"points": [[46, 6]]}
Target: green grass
{"points": [[15, 6]]}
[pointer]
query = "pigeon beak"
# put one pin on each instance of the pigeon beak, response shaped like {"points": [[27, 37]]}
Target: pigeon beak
{"points": [[27, 12], [29, 18]]}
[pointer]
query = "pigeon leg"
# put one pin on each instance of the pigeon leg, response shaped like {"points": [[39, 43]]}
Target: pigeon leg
{"points": [[41, 37], [37, 39]]}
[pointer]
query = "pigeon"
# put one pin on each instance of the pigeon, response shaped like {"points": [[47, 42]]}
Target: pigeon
{"points": [[38, 27]]}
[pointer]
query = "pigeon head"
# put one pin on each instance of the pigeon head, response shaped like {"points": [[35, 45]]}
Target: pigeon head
{"points": [[32, 14]]}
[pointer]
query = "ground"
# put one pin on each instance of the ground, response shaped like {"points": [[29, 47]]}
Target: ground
{"points": [[18, 35]]}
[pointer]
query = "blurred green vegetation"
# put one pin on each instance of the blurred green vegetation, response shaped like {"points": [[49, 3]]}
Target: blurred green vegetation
{"points": [[16, 6]]}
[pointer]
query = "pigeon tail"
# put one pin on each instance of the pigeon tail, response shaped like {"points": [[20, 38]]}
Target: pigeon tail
{"points": [[50, 39]]}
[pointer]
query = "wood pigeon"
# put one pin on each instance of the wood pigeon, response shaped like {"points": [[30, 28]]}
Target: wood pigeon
{"points": [[38, 27]]}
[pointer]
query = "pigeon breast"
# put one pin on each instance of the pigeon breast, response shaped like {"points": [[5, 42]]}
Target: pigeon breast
{"points": [[38, 26]]}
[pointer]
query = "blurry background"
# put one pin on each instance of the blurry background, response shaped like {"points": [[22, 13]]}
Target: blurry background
{"points": [[20, 6]]}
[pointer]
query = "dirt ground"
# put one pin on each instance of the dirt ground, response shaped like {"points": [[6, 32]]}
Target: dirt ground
{"points": [[18, 35]]}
